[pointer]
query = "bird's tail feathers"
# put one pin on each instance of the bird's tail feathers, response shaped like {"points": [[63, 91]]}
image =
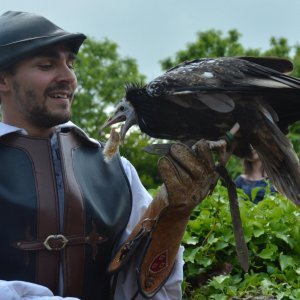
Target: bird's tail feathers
{"points": [[279, 160]]}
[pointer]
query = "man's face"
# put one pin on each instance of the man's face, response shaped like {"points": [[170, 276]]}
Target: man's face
{"points": [[42, 89]]}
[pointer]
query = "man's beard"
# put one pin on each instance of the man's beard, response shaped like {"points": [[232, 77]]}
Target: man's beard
{"points": [[42, 118], [38, 114]]}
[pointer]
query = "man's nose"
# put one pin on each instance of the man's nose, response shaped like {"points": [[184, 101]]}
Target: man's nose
{"points": [[66, 74]]}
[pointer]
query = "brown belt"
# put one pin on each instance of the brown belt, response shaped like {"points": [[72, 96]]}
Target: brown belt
{"points": [[57, 242]]}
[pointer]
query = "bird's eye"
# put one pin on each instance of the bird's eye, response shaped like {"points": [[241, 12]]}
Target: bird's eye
{"points": [[122, 108]]}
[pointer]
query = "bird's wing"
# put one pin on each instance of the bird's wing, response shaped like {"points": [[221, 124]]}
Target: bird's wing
{"points": [[218, 82], [217, 102], [193, 99], [270, 77], [279, 64], [221, 74]]}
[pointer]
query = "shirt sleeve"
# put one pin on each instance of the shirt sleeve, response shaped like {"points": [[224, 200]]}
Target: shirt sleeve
{"points": [[15, 289], [127, 281]]}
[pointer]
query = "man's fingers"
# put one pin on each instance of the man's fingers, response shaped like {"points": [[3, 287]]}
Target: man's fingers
{"points": [[172, 174], [204, 154], [187, 159]]}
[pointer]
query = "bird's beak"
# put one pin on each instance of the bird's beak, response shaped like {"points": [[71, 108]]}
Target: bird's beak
{"points": [[116, 118], [128, 116], [131, 119]]}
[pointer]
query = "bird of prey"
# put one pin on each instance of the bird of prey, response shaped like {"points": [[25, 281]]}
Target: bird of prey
{"points": [[205, 98]]}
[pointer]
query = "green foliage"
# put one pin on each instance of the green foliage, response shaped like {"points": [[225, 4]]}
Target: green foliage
{"points": [[271, 229], [279, 47], [213, 43], [208, 44]]}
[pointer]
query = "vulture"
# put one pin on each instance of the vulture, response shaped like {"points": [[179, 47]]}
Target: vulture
{"points": [[206, 98]]}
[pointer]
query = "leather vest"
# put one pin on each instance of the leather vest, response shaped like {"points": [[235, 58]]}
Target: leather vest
{"points": [[34, 246]]}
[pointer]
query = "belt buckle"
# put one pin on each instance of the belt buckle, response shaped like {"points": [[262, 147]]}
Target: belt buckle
{"points": [[58, 239]]}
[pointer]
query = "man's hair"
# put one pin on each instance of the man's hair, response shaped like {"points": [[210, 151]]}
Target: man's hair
{"points": [[11, 70]]}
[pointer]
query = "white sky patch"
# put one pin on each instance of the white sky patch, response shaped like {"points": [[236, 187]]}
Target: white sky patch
{"points": [[149, 38]]}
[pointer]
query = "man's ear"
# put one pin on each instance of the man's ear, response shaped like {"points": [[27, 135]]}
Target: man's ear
{"points": [[4, 84]]}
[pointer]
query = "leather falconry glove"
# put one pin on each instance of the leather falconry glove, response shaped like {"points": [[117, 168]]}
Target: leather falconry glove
{"points": [[188, 178]]}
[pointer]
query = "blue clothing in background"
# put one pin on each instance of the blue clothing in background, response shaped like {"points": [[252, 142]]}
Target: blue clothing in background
{"points": [[248, 185]]}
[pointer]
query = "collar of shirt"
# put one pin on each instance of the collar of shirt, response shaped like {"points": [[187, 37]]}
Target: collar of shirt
{"points": [[6, 129]]}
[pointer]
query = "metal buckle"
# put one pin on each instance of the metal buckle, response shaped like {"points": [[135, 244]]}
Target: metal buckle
{"points": [[58, 242]]}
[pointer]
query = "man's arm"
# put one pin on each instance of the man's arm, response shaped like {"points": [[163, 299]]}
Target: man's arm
{"points": [[127, 277], [153, 245]]}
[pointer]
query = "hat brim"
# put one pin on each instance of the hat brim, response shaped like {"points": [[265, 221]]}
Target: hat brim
{"points": [[15, 52]]}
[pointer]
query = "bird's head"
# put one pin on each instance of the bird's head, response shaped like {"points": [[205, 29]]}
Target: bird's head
{"points": [[124, 111]]}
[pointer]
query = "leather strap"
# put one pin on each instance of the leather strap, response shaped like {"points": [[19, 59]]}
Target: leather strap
{"points": [[74, 216], [241, 245], [59, 242]]}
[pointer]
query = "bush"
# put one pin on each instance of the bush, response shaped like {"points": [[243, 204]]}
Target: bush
{"points": [[271, 229]]}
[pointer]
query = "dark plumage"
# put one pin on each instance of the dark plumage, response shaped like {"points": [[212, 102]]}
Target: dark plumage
{"points": [[204, 98]]}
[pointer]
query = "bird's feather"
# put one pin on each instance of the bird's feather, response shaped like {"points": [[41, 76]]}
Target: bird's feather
{"points": [[275, 63]]}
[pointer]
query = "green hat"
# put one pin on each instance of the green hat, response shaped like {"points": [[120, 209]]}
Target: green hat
{"points": [[23, 34]]}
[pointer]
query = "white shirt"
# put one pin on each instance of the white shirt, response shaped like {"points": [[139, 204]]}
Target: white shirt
{"points": [[127, 282]]}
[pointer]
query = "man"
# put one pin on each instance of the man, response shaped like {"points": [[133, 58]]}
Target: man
{"points": [[64, 209]]}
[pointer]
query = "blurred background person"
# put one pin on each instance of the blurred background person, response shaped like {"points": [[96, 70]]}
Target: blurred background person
{"points": [[254, 177]]}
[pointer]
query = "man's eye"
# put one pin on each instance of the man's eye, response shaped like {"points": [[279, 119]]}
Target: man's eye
{"points": [[45, 66], [71, 65]]}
